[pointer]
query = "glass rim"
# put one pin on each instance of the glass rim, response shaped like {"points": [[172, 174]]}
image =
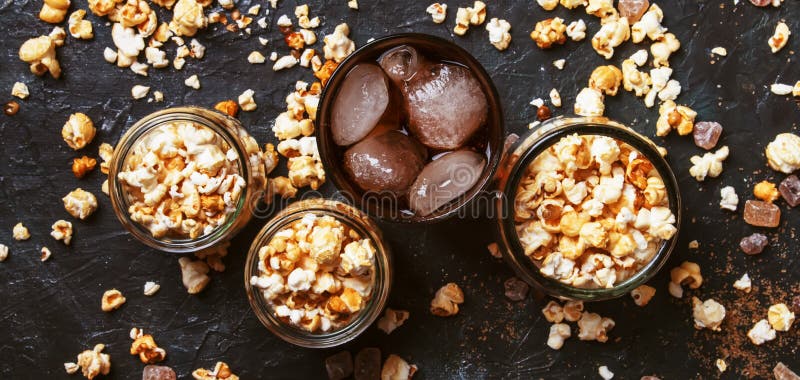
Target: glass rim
{"points": [[555, 129], [382, 280], [213, 120]]}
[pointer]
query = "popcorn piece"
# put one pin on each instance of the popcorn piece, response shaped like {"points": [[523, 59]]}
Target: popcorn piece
{"points": [[445, 302], [139, 91], [352, 4], [559, 64], [45, 254], [151, 288], [494, 250], [780, 89], [649, 25], [707, 314], [228, 107], [743, 283], [780, 317], [721, 365], [606, 79], [465, 17], [571, 4], [112, 300], [194, 275], [688, 273], [337, 45], [255, 57], [663, 48], [3, 252], [783, 153], [761, 333], [498, 33], [78, 131], [589, 102], [559, 332], [675, 290], [611, 34], [709, 165], [93, 362], [643, 294], [593, 327], [605, 373], [672, 116], [635, 80], [720, 51], [548, 5], [729, 200], [576, 30], [766, 191], [193, 82], [71, 368], [306, 171], [78, 27], [396, 368], [147, 349], [62, 230], [80, 203], [438, 12], [20, 90], [548, 32], [285, 62], [54, 11], [246, 101], [40, 53], [553, 312], [780, 37], [640, 57], [555, 98], [110, 55], [82, 166], [573, 310], [20, 232], [392, 319], [187, 18], [221, 370], [128, 42], [106, 152]]}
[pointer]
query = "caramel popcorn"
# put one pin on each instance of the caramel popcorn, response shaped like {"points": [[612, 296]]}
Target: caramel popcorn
{"points": [[611, 34], [559, 332], [743, 283], [780, 37], [79, 27], [606, 79], [62, 230], [548, 32], [547, 5], [78, 131], [465, 17], [221, 372], [93, 362], [106, 152], [194, 275], [589, 102], [780, 317], [707, 314], [337, 45], [280, 186], [783, 153], [571, 4], [54, 11], [316, 273], [498, 33], [643, 294], [227, 107], [594, 327], [187, 18], [82, 166], [80, 203], [40, 53], [392, 319], [562, 221], [761, 333], [183, 180], [709, 165], [144, 346], [573, 310], [553, 312], [649, 25], [634, 80], [438, 12], [663, 48], [576, 30], [395, 368], [20, 232], [112, 300], [766, 191], [445, 302], [672, 116]]}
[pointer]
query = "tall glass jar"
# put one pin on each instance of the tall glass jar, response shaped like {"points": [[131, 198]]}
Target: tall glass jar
{"points": [[512, 169], [382, 279], [241, 149]]}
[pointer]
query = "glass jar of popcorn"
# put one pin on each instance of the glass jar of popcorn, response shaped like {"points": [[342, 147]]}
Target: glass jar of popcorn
{"points": [[318, 274], [186, 178], [590, 208]]}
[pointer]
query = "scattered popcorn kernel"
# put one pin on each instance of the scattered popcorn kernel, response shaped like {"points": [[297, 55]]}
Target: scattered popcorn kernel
{"points": [[594, 327], [40, 53], [80, 203], [337, 44], [54, 11], [396, 368], [445, 302], [246, 101], [221, 372], [392, 319], [112, 300], [672, 116], [193, 82], [547, 5], [572, 4], [20, 232], [3, 252], [151, 288], [285, 62], [62, 230], [635, 80], [694, 244], [573, 310], [720, 51], [147, 349], [643, 294], [139, 91], [20, 90], [555, 98], [82, 166], [559, 332], [783, 153], [494, 250], [576, 30], [766, 191], [228, 107], [611, 34], [688, 273], [780, 317], [559, 63], [709, 165], [721, 365], [605, 373], [187, 18], [553, 312], [729, 200], [780, 89], [93, 362], [675, 290], [78, 131], [438, 12], [548, 32], [649, 25], [255, 57], [761, 214], [589, 102], [663, 48], [743, 283], [194, 275], [498, 33], [707, 314], [71, 368], [606, 79], [79, 27], [761, 333], [352, 4], [780, 37], [45, 254]]}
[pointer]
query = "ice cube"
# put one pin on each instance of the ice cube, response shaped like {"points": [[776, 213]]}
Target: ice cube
{"points": [[360, 104], [401, 63], [445, 106], [445, 179], [388, 162]]}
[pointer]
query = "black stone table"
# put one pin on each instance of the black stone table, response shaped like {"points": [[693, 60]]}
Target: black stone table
{"points": [[49, 312]]}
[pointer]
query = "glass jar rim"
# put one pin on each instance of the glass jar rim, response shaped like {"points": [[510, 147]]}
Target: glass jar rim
{"points": [[530, 146], [212, 120], [383, 275]]}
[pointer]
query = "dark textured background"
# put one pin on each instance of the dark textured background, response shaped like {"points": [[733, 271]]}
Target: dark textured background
{"points": [[49, 312]]}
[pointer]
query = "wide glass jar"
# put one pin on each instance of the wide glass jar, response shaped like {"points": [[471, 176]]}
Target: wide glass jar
{"points": [[298, 312], [185, 178], [522, 255]]}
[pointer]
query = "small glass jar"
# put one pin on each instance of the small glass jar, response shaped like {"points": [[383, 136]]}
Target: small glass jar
{"points": [[517, 158], [235, 138], [352, 218]]}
